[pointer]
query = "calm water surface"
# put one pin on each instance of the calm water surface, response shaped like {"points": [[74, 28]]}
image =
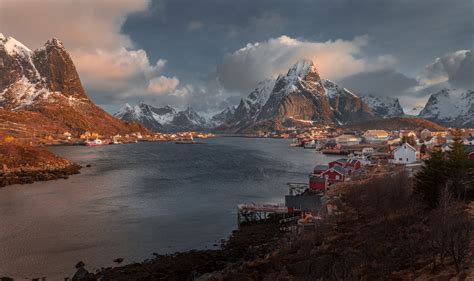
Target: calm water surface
{"points": [[139, 199]]}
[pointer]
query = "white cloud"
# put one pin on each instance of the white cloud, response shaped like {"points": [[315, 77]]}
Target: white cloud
{"points": [[162, 85], [442, 68], [244, 68], [114, 70]]}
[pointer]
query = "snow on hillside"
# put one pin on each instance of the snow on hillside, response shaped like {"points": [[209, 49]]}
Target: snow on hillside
{"points": [[165, 118], [384, 106]]}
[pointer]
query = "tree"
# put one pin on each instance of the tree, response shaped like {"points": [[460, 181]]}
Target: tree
{"points": [[458, 165], [430, 179], [423, 149]]}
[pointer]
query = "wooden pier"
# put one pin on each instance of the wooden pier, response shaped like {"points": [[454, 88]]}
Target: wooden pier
{"points": [[255, 212]]}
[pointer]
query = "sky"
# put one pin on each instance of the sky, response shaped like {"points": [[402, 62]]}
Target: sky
{"points": [[209, 54]]}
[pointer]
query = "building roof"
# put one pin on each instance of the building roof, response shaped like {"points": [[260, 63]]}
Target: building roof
{"points": [[321, 168], [353, 161], [407, 145], [340, 170]]}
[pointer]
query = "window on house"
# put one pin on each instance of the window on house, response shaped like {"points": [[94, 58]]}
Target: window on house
{"points": [[337, 177], [326, 176]]}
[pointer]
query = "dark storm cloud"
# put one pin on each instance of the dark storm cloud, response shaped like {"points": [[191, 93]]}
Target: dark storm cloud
{"points": [[415, 32], [380, 83]]}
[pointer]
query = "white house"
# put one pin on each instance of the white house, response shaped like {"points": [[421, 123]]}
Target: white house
{"points": [[404, 154]]}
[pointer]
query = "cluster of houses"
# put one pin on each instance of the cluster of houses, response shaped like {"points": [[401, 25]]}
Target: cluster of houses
{"points": [[336, 171], [398, 146], [97, 138]]}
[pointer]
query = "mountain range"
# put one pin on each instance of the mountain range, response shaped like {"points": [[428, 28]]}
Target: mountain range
{"points": [[163, 119], [41, 93], [300, 97]]}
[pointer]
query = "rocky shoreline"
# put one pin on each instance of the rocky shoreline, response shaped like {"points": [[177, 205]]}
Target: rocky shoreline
{"points": [[252, 241], [24, 164]]}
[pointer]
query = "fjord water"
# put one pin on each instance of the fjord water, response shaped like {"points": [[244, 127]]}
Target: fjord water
{"points": [[141, 198]]}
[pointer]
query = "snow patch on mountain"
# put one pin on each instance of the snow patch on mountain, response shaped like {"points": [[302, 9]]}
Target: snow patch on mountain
{"points": [[14, 47], [385, 107]]}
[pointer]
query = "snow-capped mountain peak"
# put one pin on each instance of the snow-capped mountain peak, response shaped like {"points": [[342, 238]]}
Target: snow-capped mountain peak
{"points": [[450, 107], [301, 69]]}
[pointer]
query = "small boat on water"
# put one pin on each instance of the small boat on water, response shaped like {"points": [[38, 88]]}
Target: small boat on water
{"points": [[95, 142], [309, 144]]}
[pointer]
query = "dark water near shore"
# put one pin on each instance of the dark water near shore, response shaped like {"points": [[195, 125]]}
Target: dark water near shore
{"points": [[139, 199]]}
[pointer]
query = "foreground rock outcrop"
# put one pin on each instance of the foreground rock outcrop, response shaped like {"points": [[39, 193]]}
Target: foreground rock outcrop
{"points": [[20, 164]]}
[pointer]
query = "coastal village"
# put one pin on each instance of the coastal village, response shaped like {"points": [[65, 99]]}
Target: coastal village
{"points": [[364, 154]]}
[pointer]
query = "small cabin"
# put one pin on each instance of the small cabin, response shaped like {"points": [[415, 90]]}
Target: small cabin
{"points": [[335, 174]]}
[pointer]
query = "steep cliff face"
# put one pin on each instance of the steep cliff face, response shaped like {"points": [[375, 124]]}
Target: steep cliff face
{"points": [[44, 85], [346, 106]]}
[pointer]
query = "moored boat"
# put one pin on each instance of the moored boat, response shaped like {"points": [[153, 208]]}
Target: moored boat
{"points": [[95, 142]]}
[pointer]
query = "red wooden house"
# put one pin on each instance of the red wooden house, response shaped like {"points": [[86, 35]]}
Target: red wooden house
{"points": [[317, 183], [335, 174], [338, 162], [354, 164]]}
